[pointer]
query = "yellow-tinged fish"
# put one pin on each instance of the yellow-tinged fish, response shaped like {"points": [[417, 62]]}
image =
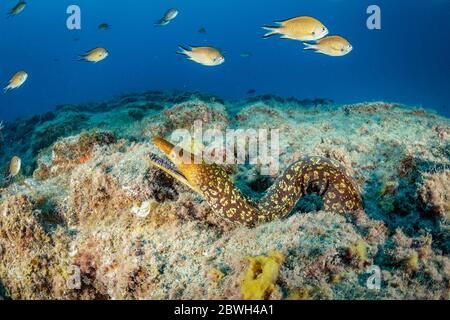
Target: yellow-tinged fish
{"points": [[334, 46], [168, 17], [18, 8], [14, 167], [299, 28], [16, 81], [104, 26], [207, 56], [94, 55]]}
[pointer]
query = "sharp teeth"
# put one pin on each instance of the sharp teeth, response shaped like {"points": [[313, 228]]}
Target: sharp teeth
{"points": [[164, 163]]}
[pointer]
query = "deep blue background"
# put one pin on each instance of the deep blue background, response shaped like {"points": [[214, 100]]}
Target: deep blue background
{"points": [[407, 61]]}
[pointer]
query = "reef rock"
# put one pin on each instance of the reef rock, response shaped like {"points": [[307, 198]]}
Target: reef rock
{"points": [[88, 218]]}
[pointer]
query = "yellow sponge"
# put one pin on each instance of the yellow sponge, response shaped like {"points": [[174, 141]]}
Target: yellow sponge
{"points": [[261, 275]]}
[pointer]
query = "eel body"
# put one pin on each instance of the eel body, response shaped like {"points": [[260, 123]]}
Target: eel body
{"points": [[322, 176]]}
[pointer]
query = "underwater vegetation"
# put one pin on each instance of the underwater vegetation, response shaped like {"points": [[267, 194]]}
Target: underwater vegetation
{"points": [[87, 202], [95, 204]]}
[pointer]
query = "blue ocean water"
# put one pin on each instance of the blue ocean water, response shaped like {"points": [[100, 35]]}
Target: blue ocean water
{"points": [[407, 61]]}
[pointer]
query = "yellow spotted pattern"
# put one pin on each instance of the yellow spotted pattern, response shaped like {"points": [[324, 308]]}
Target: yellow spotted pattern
{"points": [[317, 175]]}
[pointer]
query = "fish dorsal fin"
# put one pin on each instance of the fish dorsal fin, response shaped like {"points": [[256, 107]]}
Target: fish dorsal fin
{"points": [[282, 22]]}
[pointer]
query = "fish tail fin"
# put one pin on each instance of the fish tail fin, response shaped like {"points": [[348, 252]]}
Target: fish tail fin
{"points": [[272, 31], [183, 50], [6, 89], [309, 46], [160, 23], [81, 57]]}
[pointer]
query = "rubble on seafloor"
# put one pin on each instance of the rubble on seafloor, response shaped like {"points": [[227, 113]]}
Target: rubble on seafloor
{"points": [[88, 218]]}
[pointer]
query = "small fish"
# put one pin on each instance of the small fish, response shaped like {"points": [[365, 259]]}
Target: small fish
{"points": [[246, 54], [207, 56], [18, 8], [16, 81], [14, 167], [299, 28], [95, 55], [76, 39], [202, 30], [334, 46], [56, 60], [104, 26], [168, 17], [251, 91]]}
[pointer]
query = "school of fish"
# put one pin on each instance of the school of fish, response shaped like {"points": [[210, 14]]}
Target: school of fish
{"points": [[309, 30], [313, 33]]}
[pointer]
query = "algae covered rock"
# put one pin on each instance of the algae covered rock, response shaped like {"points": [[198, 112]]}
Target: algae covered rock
{"points": [[90, 219], [434, 194], [68, 152]]}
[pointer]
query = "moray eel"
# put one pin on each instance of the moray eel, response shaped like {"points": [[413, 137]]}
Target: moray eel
{"points": [[318, 175]]}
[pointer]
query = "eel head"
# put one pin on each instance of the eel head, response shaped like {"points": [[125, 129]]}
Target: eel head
{"points": [[180, 163]]}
